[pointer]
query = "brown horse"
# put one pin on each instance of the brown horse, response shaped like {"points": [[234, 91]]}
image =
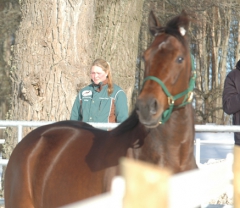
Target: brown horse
{"points": [[69, 161]]}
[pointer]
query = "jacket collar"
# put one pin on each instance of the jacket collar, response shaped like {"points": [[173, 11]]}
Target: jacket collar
{"points": [[98, 87]]}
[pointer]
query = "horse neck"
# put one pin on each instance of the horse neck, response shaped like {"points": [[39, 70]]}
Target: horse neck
{"points": [[131, 131], [182, 118], [137, 135]]}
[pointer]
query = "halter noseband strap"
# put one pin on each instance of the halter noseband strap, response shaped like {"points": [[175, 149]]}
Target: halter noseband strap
{"points": [[188, 93]]}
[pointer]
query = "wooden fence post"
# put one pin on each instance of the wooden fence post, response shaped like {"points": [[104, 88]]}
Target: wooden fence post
{"points": [[146, 185], [236, 177]]}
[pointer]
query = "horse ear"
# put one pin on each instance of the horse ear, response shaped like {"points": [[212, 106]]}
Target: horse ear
{"points": [[153, 23]]}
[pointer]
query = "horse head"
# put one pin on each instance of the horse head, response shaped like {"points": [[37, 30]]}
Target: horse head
{"points": [[167, 71]]}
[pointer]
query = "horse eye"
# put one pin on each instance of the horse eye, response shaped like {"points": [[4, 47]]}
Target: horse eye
{"points": [[180, 60]]}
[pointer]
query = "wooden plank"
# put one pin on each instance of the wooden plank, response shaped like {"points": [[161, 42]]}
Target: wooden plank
{"points": [[146, 185], [236, 179], [150, 186]]}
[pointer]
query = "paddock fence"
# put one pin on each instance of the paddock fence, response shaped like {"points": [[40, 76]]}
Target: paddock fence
{"points": [[189, 189], [144, 185], [198, 128]]}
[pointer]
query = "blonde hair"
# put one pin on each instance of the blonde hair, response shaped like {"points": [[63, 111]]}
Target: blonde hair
{"points": [[106, 68]]}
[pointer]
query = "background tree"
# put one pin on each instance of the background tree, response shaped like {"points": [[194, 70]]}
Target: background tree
{"points": [[214, 48], [9, 20]]}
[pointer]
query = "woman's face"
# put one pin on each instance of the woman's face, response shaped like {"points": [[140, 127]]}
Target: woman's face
{"points": [[98, 75]]}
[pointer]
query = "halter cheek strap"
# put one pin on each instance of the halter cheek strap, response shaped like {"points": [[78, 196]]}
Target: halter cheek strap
{"points": [[188, 94]]}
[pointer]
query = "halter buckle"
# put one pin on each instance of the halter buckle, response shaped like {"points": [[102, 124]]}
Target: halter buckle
{"points": [[190, 96], [194, 74], [170, 100]]}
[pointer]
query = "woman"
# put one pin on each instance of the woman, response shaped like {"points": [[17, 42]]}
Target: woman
{"points": [[101, 101]]}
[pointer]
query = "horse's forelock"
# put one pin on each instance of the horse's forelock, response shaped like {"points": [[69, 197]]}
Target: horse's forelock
{"points": [[176, 25], [181, 20], [173, 29]]}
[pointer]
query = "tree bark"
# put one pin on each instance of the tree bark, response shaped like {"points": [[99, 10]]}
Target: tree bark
{"points": [[201, 69], [116, 39], [9, 21], [48, 60]]}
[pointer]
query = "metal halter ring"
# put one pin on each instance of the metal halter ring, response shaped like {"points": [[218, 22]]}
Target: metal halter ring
{"points": [[170, 100], [190, 96]]}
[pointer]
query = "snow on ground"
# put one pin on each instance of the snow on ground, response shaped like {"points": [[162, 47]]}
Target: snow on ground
{"points": [[212, 153]]}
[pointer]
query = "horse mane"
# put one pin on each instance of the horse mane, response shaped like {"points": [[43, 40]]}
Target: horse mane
{"points": [[131, 122], [173, 25]]}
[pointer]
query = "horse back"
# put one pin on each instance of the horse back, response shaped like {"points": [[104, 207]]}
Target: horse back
{"points": [[48, 168]]}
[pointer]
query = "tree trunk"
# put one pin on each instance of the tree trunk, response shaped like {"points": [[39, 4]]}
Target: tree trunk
{"points": [[223, 65], [201, 69], [237, 51], [9, 21], [116, 39], [48, 60]]}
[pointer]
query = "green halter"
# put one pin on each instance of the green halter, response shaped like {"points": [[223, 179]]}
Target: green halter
{"points": [[188, 93]]}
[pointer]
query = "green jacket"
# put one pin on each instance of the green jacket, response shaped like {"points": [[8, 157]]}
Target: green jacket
{"points": [[92, 105]]}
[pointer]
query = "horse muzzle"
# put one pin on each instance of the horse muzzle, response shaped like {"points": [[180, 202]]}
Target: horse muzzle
{"points": [[149, 111]]}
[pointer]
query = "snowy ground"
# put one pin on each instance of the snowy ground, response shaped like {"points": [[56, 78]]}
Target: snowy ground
{"points": [[211, 152], [215, 151]]}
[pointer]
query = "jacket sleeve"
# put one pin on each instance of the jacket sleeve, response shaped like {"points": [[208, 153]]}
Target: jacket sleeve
{"points": [[76, 110], [121, 107], [230, 97]]}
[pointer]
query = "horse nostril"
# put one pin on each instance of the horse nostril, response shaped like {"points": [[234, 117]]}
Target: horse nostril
{"points": [[153, 107]]}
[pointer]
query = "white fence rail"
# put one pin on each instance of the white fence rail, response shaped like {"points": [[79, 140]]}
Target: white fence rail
{"points": [[189, 189], [198, 128]]}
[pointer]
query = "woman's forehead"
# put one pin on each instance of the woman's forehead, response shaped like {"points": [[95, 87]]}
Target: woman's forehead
{"points": [[96, 69]]}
